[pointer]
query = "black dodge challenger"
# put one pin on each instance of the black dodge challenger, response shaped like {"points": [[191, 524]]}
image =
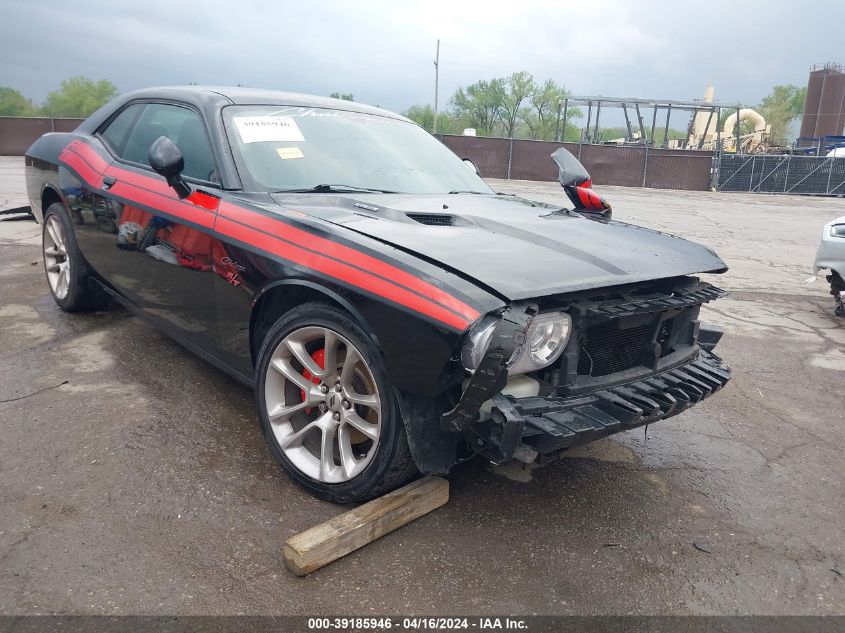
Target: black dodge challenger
{"points": [[393, 314]]}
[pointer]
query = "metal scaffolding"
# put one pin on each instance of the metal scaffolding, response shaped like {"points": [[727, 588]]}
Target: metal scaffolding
{"points": [[633, 108]]}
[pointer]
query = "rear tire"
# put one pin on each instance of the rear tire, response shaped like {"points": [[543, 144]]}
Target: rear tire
{"points": [[328, 410], [68, 275]]}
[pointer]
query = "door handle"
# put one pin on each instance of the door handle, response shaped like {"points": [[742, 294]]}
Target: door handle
{"points": [[108, 181]]}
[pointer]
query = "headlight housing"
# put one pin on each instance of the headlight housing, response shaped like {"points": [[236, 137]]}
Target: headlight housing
{"points": [[837, 230], [545, 340], [478, 342]]}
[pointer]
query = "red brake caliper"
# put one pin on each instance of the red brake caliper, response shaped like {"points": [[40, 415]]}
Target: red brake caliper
{"points": [[319, 357]]}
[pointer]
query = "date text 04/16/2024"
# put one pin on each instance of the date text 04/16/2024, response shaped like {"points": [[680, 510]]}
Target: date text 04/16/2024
{"points": [[417, 623]]}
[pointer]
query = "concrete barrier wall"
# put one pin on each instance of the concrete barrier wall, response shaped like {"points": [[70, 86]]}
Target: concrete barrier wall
{"points": [[18, 133]]}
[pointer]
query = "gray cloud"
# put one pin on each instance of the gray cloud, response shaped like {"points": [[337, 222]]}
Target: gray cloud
{"points": [[382, 50]]}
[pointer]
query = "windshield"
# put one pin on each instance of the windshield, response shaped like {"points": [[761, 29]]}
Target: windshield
{"points": [[298, 148]]}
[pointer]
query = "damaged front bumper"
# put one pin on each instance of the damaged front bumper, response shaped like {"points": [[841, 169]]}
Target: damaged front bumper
{"points": [[524, 428], [635, 356]]}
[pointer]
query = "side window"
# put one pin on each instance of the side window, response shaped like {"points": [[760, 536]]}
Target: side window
{"points": [[115, 134], [181, 125]]}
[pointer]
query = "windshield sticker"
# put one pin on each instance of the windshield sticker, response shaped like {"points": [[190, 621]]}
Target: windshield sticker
{"points": [[286, 153], [300, 112], [261, 129]]}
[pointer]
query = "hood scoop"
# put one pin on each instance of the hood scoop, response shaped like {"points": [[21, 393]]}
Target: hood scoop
{"points": [[433, 219]]}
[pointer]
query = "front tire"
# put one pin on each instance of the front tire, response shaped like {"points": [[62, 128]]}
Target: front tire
{"points": [[327, 409], [837, 287], [68, 275]]}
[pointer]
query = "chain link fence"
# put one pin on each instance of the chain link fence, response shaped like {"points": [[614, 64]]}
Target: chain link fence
{"points": [[807, 175], [18, 133], [640, 166]]}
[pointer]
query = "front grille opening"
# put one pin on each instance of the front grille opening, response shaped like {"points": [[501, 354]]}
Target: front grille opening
{"points": [[433, 219], [663, 335], [606, 349]]}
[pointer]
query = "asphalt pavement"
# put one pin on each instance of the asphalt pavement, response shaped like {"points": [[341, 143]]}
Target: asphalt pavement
{"points": [[134, 478]]}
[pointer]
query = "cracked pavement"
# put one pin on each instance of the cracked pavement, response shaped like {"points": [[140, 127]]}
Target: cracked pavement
{"points": [[142, 485]]}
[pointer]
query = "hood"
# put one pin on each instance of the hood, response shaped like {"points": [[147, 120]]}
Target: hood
{"points": [[519, 249]]}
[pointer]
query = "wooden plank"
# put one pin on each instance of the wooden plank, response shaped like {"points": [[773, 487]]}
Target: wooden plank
{"points": [[337, 537]]}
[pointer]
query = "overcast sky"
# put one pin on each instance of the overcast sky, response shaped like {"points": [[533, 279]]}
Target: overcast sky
{"points": [[382, 51]]}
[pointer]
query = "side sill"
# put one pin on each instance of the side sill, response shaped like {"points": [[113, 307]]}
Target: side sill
{"points": [[169, 331]]}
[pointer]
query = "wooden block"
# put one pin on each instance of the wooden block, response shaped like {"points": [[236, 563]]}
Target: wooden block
{"points": [[324, 543]]}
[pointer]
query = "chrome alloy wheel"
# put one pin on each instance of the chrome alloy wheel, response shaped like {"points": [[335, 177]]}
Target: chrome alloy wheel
{"points": [[323, 404], [56, 260]]}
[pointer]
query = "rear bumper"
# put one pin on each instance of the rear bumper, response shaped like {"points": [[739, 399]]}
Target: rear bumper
{"points": [[548, 425]]}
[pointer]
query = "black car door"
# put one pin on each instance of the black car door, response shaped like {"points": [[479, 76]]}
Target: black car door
{"points": [[150, 246]]}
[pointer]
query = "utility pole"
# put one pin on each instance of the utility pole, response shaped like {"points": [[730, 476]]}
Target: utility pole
{"points": [[436, 83], [557, 125]]}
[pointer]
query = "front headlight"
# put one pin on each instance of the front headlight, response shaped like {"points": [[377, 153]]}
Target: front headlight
{"points": [[837, 230], [478, 342], [545, 341]]}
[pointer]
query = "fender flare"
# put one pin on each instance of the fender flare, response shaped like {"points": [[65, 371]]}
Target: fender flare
{"points": [[325, 290], [49, 186]]}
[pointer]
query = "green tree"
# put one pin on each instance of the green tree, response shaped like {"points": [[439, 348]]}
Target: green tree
{"points": [[423, 115], [78, 97], [546, 104], [346, 96], [448, 124], [518, 87], [610, 133], [13, 103], [481, 104], [781, 107], [615, 132], [570, 132]]}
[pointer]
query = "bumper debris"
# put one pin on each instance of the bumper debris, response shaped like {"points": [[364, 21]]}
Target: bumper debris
{"points": [[551, 424]]}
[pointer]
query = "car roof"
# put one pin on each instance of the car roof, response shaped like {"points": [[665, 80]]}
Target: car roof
{"points": [[210, 99], [239, 95]]}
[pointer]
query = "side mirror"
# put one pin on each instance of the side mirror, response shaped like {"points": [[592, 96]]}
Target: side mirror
{"points": [[570, 170], [577, 184], [472, 166], [166, 160]]}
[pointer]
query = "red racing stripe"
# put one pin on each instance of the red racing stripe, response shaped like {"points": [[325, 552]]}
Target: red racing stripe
{"points": [[189, 213], [89, 154], [377, 276], [155, 185], [150, 191], [344, 253], [78, 164], [339, 270]]}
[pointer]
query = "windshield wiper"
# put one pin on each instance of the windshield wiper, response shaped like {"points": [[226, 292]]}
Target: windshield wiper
{"points": [[478, 193], [334, 189]]}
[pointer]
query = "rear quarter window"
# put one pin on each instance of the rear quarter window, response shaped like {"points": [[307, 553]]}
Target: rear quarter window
{"points": [[116, 132]]}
